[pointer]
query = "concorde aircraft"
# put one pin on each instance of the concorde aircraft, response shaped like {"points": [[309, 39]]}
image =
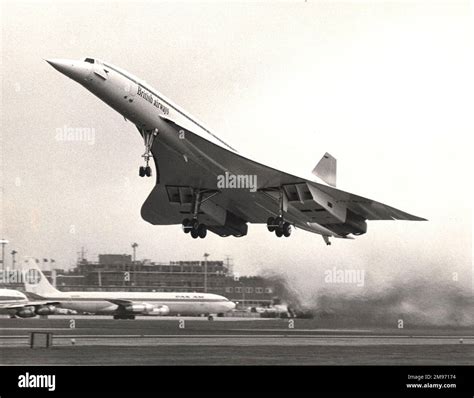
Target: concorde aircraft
{"points": [[204, 184]]}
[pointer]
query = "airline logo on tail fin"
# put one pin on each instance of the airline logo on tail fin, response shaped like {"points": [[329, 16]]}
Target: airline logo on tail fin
{"points": [[326, 169], [38, 285]]}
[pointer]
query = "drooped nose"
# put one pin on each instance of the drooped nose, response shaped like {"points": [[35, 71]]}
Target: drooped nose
{"points": [[71, 68], [230, 305]]}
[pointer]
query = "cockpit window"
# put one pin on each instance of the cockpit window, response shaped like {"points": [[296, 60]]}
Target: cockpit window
{"points": [[90, 60]]}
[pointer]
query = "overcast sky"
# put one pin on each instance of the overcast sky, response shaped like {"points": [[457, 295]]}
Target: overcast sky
{"points": [[385, 87]]}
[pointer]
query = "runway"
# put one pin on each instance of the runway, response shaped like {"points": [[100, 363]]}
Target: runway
{"points": [[227, 341]]}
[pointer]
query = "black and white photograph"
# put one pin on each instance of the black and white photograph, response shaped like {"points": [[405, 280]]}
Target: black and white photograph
{"points": [[236, 195]]}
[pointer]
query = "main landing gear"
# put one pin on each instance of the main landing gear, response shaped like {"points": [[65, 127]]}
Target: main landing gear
{"points": [[196, 229], [193, 226], [278, 224], [124, 316], [148, 138]]}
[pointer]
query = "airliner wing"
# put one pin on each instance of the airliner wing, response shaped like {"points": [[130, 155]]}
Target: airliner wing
{"points": [[139, 308], [367, 208], [28, 304], [200, 164], [120, 302]]}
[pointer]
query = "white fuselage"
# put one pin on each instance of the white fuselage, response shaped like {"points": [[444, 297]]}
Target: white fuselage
{"points": [[191, 304], [140, 103], [11, 297]]}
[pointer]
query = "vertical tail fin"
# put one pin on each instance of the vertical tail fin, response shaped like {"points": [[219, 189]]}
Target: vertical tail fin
{"points": [[326, 169], [36, 282]]}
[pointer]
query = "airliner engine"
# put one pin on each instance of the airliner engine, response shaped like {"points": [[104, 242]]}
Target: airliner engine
{"points": [[31, 311], [147, 309], [139, 308], [46, 310], [160, 310], [26, 312]]}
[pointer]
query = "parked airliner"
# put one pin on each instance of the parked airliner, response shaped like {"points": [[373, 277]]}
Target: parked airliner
{"points": [[126, 305], [16, 304]]}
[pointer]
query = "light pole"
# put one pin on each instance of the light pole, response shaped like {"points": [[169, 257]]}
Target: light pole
{"points": [[3, 242], [206, 255], [13, 258], [134, 247]]}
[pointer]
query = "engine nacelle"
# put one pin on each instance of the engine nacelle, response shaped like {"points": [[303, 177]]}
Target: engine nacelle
{"points": [[26, 312], [356, 223], [148, 309], [64, 311], [234, 226], [139, 308], [160, 310], [46, 310]]}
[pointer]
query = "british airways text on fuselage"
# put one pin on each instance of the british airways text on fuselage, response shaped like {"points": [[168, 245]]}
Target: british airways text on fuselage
{"points": [[152, 100]]}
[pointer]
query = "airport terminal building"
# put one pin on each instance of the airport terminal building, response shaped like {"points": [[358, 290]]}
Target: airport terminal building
{"points": [[115, 272]]}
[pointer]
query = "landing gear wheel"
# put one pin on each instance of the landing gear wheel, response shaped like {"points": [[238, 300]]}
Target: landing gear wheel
{"points": [[148, 171], [270, 224], [279, 222], [124, 316], [202, 231], [278, 232], [141, 171], [326, 240], [194, 224], [194, 233], [210, 318], [287, 229], [187, 225]]}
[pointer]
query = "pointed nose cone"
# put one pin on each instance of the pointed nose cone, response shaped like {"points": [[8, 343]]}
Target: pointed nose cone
{"points": [[62, 65], [70, 68]]}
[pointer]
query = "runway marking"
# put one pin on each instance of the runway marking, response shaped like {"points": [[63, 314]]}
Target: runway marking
{"points": [[301, 336], [229, 342], [34, 329], [308, 330]]}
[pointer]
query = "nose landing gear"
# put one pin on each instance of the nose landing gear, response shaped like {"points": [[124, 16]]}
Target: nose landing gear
{"points": [[148, 138], [145, 170]]}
